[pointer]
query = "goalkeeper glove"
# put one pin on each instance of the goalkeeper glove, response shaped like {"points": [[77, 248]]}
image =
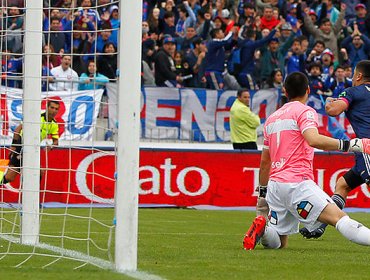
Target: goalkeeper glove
{"points": [[355, 145]]}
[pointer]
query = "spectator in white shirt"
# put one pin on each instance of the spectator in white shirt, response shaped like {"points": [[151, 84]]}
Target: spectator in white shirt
{"points": [[65, 77]]}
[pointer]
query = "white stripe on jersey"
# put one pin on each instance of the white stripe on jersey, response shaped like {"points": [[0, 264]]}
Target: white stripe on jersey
{"points": [[281, 125]]}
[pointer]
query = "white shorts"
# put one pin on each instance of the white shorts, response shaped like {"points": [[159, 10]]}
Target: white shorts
{"points": [[291, 203]]}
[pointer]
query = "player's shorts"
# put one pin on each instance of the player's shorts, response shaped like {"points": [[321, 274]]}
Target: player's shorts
{"points": [[360, 173], [291, 203]]}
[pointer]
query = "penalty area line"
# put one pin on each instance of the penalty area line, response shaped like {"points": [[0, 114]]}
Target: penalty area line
{"points": [[78, 256]]}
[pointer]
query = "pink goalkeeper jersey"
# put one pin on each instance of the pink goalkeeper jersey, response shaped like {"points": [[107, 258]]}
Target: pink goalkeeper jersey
{"points": [[291, 156]]}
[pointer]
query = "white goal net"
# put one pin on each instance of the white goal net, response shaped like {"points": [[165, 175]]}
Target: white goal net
{"points": [[61, 149]]}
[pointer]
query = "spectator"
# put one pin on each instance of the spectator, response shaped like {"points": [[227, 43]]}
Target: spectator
{"points": [[219, 23], [147, 75], [286, 31], [275, 80], [357, 46], [165, 70], [186, 43], [182, 68], [332, 12], [273, 57], [243, 123], [215, 58], [248, 46], [220, 10], [204, 25], [326, 33], [169, 27], [112, 17], [267, 20], [195, 59], [65, 77], [49, 61], [104, 37], [315, 54], [148, 52], [104, 7], [247, 17], [338, 82], [11, 68], [153, 21], [186, 18], [317, 88], [49, 58], [296, 61], [56, 36], [351, 9], [168, 6], [291, 18], [92, 79], [88, 13], [348, 71], [327, 61], [107, 64], [13, 23], [361, 20]]}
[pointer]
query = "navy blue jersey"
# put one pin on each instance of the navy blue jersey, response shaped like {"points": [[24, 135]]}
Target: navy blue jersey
{"points": [[358, 111]]}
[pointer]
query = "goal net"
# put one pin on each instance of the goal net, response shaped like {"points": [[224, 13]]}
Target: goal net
{"points": [[60, 197]]}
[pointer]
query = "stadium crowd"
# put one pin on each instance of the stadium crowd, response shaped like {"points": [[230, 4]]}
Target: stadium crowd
{"points": [[215, 44]]}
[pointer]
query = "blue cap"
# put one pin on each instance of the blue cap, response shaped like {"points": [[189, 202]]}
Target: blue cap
{"points": [[169, 40]]}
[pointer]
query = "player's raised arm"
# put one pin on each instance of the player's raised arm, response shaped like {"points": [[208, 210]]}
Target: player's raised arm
{"points": [[335, 107]]}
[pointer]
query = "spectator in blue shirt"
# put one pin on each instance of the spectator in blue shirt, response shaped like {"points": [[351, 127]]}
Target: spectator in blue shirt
{"points": [[338, 82], [215, 58], [357, 46], [186, 18], [247, 48], [92, 79], [296, 61]]}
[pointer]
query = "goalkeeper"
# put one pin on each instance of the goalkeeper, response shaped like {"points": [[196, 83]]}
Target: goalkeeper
{"points": [[290, 136], [48, 126]]}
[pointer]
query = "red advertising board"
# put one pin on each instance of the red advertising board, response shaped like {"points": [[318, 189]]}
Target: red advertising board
{"points": [[173, 177]]}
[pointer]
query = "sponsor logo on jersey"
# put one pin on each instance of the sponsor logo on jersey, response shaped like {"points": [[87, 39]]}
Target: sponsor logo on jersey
{"points": [[342, 94], [304, 208], [310, 116]]}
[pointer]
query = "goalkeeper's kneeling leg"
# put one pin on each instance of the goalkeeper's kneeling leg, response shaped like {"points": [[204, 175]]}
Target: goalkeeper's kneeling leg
{"points": [[262, 208]]}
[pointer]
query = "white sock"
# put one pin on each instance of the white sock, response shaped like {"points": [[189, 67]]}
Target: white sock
{"points": [[353, 231], [270, 239]]}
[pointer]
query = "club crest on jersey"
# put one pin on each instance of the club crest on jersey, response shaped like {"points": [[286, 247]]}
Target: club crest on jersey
{"points": [[310, 116], [273, 217], [342, 94], [304, 208]]}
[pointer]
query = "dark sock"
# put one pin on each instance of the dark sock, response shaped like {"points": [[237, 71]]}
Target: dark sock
{"points": [[339, 201]]}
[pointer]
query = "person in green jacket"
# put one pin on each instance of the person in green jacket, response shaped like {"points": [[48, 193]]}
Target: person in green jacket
{"points": [[243, 123]]}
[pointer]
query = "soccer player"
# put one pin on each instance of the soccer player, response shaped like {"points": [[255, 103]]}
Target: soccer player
{"points": [[48, 126], [290, 136], [355, 102]]}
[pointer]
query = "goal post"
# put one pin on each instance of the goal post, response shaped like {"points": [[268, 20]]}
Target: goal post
{"points": [[128, 136], [67, 212], [30, 226]]}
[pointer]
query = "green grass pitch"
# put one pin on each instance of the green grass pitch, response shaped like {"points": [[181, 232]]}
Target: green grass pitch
{"points": [[199, 244]]}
